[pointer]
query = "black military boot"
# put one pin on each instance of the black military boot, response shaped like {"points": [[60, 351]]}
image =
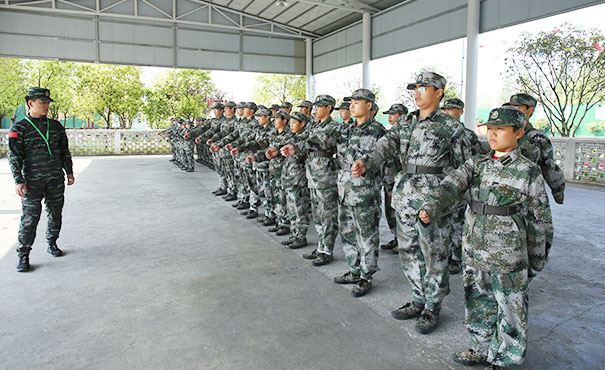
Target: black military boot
{"points": [[220, 192], [274, 229], [298, 243], [243, 205], [284, 230], [230, 197], [235, 205], [54, 250], [252, 214], [23, 265], [269, 221]]}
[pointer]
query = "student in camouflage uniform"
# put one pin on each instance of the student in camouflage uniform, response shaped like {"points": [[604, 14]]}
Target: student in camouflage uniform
{"points": [[167, 133], [281, 136], [455, 108], [508, 230], [199, 147], [536, 146], [295, 185], [392, 168], [274, 109], [287, 106], [430, 144], [318, 146], [306, 107], [345, 113], [188, 148], [38, 157]]}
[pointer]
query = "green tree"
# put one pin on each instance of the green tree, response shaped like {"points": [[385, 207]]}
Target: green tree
{"points": [[279, 88], [186, 91], [60, 78], [12, 86], [406, 97], [564, 69], [108, 90], [156, 109]]}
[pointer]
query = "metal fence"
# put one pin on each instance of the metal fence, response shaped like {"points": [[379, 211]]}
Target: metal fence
{"points": [[582, 159]]}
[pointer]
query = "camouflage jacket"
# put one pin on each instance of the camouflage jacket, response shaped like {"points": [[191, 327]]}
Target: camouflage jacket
{"points": [[28, 156], [536, 146], [216, 125], [500, 244], [229, 125], [277, 140], [260, 140], [437, 140], [243, 133], [293, 169], [317, 144], [171, 131]]}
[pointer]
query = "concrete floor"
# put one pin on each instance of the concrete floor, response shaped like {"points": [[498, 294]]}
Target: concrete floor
{"points": [[160, 274]]}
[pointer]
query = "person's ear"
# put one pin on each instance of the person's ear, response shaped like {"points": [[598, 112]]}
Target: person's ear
{"points": [[519, 134]]}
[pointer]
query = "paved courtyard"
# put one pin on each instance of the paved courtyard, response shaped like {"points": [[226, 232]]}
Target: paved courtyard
{"points": [[161, 274]]}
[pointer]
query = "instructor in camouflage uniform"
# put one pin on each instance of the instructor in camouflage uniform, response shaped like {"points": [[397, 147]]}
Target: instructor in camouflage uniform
{"points": [[39, 158]]}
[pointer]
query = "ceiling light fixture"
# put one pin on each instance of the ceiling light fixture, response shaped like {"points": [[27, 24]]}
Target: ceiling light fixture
{"points": [[281, 3]]}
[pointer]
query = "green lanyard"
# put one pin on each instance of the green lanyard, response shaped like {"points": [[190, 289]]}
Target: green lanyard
{"points": [[43, 138]]}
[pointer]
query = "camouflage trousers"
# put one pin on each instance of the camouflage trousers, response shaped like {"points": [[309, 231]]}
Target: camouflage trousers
{"points": [[360, 236], [53, 194], [324, 204], [254, 192], [241, 178], [188, 159], [198, 150], [279, 202], [424, 258], [228, 166], [389, 211], [263, 179], [219, 169], [496, 314], [457, 227], [298, 204], [172, 148]]}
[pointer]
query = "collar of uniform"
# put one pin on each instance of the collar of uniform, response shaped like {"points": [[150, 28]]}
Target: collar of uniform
{"points": [[528, 127], [507, 159], [365, 124], [432, 116], [326, 121], [39, 119]]}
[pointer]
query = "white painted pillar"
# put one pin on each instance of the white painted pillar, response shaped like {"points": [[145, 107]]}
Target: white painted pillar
{"points": [[309, 68], [366, 48], [472, 49]]}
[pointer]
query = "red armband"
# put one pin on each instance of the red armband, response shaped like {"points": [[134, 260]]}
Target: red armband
{"points": [[13, 135]]}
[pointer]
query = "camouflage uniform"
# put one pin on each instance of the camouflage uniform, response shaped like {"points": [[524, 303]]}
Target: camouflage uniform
{"points": [[188, 148], [536, 146], [40, 165], [318, 146], [508, 229], [428, 148], [227, 162], [169, 132]]}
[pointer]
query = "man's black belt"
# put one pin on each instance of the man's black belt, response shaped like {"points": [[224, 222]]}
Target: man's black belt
{"points": [[315, 154], [481, 208], [415, 170]]}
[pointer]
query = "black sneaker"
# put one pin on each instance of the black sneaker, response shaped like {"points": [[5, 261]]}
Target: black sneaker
{"points": [[470, 358], [298, 243], [190, 170], [269, 221], [390, 245], [216, 191], [23, 265], [221, 192], [54, 250], [252, 214], [454, 267], [235, 205], [362, 288], [408, 311], [283, 231], [427, 322], [322, 259], [261, 219], [288, 241], [310, 256], [230, 197], [243, 205], [274, 229], [347, 278]]}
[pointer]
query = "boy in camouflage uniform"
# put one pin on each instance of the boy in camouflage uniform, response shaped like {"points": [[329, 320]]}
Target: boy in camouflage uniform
{"points": [[188, 148], [508, 230], [392, 168], [345, 113], [38, 157], [430, 144], [294, 182], [317, 145]]}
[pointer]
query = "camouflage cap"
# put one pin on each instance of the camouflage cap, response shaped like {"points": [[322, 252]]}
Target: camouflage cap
{"points": [[522, 99], [276, 107], [506, 116], [344, 105], [263, 111], [281, 114], [230, 104], [300, 116], [287, 105], [250, 105], [305, 104], [453, 103], [428, 79], [240, 105], [39, 93], [397, 108], [324, 100], [217, 105], [362, 94]]}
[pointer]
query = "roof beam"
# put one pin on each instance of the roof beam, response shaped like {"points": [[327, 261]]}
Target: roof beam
{"points": [[354, 6]]}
